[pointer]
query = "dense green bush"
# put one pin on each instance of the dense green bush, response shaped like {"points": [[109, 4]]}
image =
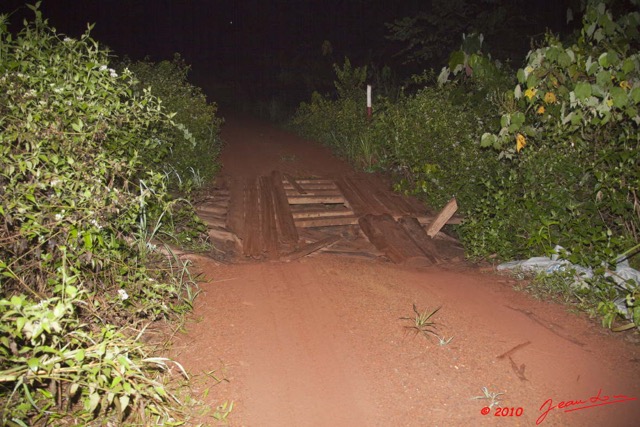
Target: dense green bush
{"points": [[80, 202], [571, 137], [191, 163]]}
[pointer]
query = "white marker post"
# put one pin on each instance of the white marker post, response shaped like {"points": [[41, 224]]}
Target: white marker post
{"points": [[369, 101]]}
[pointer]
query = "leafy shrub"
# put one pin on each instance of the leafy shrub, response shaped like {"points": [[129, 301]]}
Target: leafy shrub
{"points": [[340, 123], [572, 138], [78, 148], [192, 162]]}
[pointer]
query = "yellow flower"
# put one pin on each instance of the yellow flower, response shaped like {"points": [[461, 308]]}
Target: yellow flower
{"points": [[550, 98], [609, 102], [520, 142], [625, 85], [540, 109], [530, 93]]}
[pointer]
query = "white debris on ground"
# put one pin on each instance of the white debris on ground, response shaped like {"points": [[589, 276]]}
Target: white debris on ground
{"points": [[627, 279]]}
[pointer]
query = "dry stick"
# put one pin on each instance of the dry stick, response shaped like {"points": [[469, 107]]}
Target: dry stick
{"points": [[513, 350], [519, 371], [535, 318]]}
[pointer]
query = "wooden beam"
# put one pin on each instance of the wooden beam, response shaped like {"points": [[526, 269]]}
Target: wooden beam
{"points": [[253, 244], [268, 219], [288, 231]]}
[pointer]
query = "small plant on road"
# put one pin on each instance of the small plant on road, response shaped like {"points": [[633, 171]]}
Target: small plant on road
{"points": [[422, 321], [442, 340], [492, 397]]}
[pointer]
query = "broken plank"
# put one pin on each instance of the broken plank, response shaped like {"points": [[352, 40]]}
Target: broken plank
{"points": [[312, 247], [268, 219], [288, 231], [441, 219], [294, 184]]}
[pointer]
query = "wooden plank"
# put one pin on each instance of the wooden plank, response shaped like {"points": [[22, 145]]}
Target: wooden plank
{"points": [[294, 184], [312, 247], [333, 192], [441, 219], [267, 218], [420, 238], [314, 181], [392, 239], [253, 243], [353, 199], [311, 187], [322, 212], [288, 231], [326, 221], [308, 200], [365, 190]]}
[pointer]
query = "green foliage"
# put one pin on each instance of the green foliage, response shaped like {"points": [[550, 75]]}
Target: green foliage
{"points": [[339, 123], [78, 273], [571, 136], [194, 140]]}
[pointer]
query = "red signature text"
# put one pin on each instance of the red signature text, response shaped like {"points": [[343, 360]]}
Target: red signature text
{"points": [[576, 405]]}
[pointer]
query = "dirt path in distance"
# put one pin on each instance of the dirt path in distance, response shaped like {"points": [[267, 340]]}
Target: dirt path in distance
{"points": [[320, 342]]}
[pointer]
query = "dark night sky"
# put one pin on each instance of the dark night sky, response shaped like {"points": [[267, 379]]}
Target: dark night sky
{"points": [[230, 38]]}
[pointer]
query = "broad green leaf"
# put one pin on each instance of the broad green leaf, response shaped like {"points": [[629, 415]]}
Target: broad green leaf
{"points": [[488, 139], [583, 90], [603, 60], [619, 97]]}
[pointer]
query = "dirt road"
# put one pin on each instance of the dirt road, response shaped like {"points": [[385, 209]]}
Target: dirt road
{"points": [[320, 341]]}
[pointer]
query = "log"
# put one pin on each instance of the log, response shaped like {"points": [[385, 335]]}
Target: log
{"points": [[288, 231], [294, 184], [268, 219], [391, 239], [253, 243], [311, 248], [420, 238], [441, 219]]}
